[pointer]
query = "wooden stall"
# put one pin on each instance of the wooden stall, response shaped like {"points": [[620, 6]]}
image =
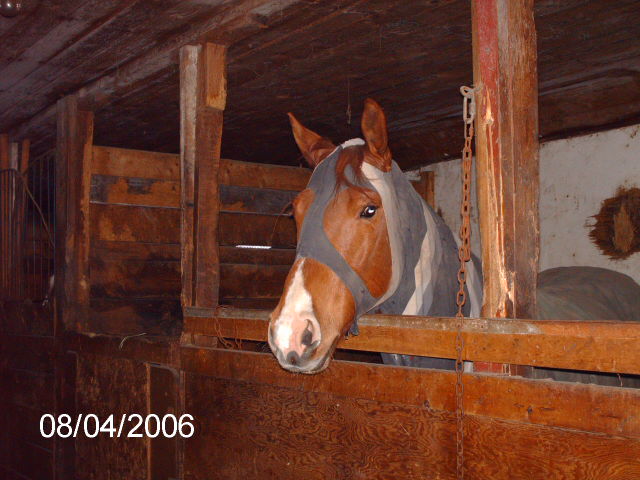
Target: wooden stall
{"points": [[163, 294]]}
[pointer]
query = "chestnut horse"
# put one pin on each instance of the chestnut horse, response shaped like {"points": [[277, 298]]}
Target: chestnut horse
{"points": [[367, 242]]}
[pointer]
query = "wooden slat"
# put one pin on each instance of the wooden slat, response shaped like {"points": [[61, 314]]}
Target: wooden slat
{"points": [[120, 162], [588, 408], [252, 281], [73, 179], [130, 316], [249, 303], [123, 223], [104, 250], [135, 191], [254, 200], [160, 350], [504, 61], [146, 278], [254, 256], [597, 346], [258, 175], [253, 229]]}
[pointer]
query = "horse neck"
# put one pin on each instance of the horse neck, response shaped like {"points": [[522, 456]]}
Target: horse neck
{"points": [[427, 280]]}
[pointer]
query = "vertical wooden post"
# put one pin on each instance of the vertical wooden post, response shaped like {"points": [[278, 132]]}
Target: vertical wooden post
{"points": [[73, 182], [4, 151], [24, 156], [5, 255], [202, 103], [505, 75]]}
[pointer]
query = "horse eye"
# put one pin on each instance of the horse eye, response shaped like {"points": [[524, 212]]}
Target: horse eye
{"points": [[369, 211]]}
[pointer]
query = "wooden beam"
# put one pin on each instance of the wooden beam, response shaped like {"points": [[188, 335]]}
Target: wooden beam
{"points": [[73, 182], [505, 75], [596, 346], [202, 103]]}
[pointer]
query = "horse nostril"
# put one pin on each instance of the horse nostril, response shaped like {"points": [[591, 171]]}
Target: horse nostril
{"points": [[307, 335], [293, 358]]}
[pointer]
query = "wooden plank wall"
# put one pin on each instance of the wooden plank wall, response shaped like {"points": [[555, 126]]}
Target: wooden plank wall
{"points": [[27, 352], [135, 237], [135, 242], [371, 421], [253, 200]]}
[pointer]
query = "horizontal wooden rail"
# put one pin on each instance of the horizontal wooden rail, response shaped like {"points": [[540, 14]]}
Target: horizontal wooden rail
{"points": [[602, 346]]}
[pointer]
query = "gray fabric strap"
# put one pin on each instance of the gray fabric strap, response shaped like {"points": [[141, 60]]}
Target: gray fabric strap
{"points": [[314, 243]]}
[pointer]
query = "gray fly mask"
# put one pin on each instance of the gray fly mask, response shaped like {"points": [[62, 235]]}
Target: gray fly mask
{"points": [[314, 243]]}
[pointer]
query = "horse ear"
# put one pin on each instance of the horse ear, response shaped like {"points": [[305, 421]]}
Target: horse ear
{"points": [[314, 147], [374, 129]]}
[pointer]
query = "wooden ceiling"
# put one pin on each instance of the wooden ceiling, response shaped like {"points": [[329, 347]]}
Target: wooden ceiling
{"points": [[319, 59]]}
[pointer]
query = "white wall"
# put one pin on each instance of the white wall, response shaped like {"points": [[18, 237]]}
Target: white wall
{"points": [[576, 175]]}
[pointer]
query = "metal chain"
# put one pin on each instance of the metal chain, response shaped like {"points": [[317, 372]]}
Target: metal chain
{"points": [[464, 255]]}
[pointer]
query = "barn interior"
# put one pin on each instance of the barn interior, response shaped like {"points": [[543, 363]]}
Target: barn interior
{"points": [[110, 309]]}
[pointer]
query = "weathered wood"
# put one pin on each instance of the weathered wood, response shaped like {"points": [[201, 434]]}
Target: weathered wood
{"points": [[73, 179], [22, 318], [135, 278], [252, 281], [249, 303], [135, 191], [131, 315], [255, 200], [104, 250], [253, 229], [121, 162], [123, 223], [597, 346], [28, 388], [4, 151], [65, 398], [382, 408], [257, 175], [111, 386], [257, 256], [27, 352], [166, 193], [147, 348], [505, 74], [203, 98], [163, 400], [24, 155]]}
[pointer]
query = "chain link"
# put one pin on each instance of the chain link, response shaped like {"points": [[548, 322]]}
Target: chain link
{"points": [[464, 255]]}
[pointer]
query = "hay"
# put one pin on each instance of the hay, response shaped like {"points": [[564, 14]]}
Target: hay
{"points": [[617, 229]]}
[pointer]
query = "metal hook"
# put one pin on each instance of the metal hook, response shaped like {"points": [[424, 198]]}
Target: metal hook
{"points": [[468, 104]]}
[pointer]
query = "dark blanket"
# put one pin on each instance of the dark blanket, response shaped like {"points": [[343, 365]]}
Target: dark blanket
{"points": [[587, 293]]}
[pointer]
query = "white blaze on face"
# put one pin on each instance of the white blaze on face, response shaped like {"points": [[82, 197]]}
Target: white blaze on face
{"points": [[297, 305]]}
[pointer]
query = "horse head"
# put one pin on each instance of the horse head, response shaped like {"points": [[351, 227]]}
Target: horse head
{"points": [[344, 265]]}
